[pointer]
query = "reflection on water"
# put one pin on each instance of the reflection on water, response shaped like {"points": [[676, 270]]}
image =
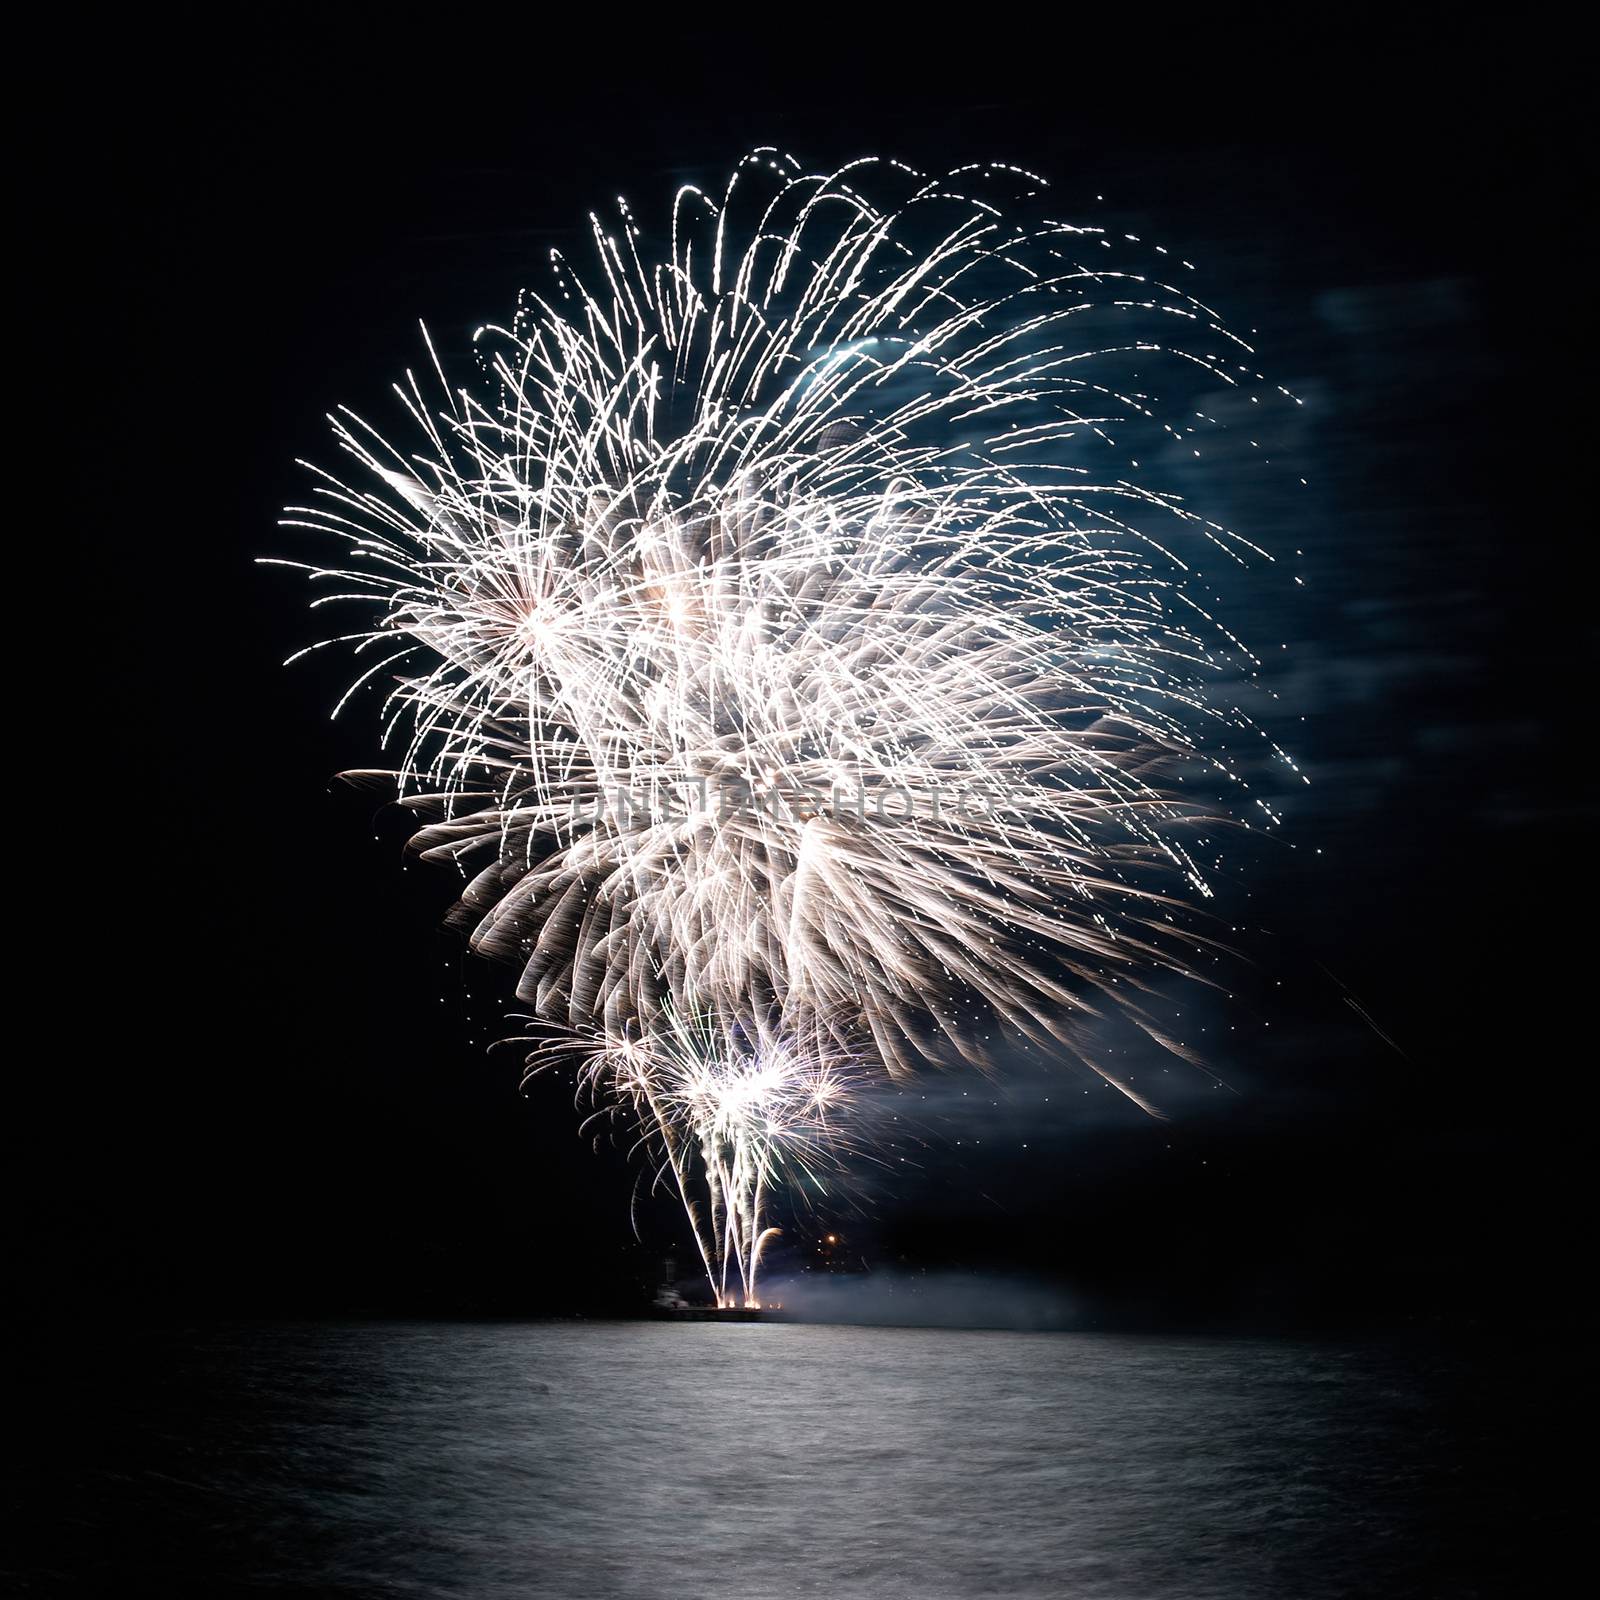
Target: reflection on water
{"points": [[664, 1460]]}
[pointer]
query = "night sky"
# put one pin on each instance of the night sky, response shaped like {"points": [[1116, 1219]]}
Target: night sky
{"points": [[265, 1083]]}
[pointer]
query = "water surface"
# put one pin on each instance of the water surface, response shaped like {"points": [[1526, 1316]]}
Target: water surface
{"points": [[650, 1460]]}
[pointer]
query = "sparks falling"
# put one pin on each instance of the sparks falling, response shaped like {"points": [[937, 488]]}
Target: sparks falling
{"points": [[780, 635]]}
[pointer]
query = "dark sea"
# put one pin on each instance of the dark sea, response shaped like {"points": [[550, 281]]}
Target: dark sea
{"points": [[645, 1461]]}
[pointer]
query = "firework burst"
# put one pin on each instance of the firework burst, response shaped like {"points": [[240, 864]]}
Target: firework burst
{"points": [[729, 1122], [781, 636]]}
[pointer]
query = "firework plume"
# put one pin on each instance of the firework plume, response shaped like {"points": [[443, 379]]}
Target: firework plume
{"points": [[779, 633]]}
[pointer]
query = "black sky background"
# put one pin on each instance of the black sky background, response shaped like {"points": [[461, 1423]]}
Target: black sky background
{"points": [[264, 1083]]}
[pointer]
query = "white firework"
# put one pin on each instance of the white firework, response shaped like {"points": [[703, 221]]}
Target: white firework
{"points": [[778, 633], [729, 1122]]}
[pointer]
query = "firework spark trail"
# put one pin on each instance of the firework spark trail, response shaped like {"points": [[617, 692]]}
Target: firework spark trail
{"points": [[778, 636], [726, 1120]]}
